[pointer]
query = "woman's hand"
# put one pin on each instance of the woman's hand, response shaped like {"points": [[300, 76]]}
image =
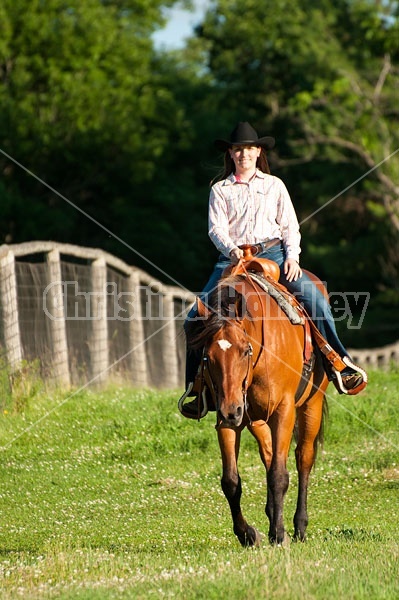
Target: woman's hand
{"points": [[292, 270], [236, 254]]}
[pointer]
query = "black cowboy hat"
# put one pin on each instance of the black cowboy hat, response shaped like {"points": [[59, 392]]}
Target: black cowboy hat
{"points": [[244, 135]]}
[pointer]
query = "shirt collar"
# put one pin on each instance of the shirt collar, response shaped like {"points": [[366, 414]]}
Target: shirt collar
{"points": [[231, 179]]}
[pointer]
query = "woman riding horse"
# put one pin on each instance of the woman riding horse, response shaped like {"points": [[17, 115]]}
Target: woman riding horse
{"points": [[248, 205]]}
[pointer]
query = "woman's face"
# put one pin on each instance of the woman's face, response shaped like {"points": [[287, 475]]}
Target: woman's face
{"points": [[245, 157]]}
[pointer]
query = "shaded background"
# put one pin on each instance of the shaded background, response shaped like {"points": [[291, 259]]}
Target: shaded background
{"points": [[123, 126]]}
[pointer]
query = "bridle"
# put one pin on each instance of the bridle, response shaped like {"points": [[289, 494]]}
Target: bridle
{"points": [[206, 372]]}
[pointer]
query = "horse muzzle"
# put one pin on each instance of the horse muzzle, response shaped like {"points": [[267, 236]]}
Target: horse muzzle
{"points": [[232, 414]]}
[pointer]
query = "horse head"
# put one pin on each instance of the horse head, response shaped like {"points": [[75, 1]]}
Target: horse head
{"points": [[228, 356]]}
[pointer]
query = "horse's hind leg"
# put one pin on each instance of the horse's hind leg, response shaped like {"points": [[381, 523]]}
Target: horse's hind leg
{"points": [[309, 419], [229, 442]]}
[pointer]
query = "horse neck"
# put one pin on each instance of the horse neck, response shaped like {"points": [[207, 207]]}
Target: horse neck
{"points": [[261, 316]]}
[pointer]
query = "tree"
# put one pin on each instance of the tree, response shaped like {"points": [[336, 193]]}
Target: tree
{"points": [[83, 106], [125, 132], [323, 79]]}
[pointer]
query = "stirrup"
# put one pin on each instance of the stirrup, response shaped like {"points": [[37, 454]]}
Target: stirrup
{"points": [[180, 404], [339, 384]]}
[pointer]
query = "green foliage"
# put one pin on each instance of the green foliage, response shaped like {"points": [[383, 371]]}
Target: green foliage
{"points": [[18, 388], [84, 108], [25, 384], [124, 132], [322, 79], [114, 494]]}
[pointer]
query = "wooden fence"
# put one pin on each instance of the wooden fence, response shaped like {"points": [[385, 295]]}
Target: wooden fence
{"points": [[377, 358], [90, 317]]}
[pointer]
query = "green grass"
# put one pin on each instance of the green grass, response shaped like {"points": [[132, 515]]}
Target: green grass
{"points": [[114, 495]]}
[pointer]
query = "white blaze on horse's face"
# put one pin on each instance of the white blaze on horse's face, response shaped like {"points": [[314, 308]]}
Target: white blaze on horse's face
{"points": [[224, 345]]}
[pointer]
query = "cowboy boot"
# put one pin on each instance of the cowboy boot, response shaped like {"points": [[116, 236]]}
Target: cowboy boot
{"points": [[350, 380], [195, 408], [202, 400]]}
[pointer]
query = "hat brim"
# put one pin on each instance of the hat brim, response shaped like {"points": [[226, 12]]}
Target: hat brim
{"points": [[265, 142]]}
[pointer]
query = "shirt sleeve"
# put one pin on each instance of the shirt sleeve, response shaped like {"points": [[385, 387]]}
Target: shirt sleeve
{"points": [[288, 222], [218, 221]]}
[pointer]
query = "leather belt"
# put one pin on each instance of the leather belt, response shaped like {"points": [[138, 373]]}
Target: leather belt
{"points": [[262, 246]]}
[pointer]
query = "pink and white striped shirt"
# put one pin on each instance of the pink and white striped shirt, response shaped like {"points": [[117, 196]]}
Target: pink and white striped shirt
{"points": [[252, 212]]}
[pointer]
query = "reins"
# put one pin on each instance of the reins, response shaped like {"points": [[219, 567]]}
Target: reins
{"points": [[249, 279], [245, 382]]}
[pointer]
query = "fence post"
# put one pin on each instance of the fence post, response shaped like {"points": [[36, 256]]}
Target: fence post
{"points": [[9, 303], [169, 345], [138, 361], [99, 354], [54, 304]]}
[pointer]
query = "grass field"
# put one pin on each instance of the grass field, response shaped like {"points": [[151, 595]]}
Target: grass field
{"points": [[114, 495]]}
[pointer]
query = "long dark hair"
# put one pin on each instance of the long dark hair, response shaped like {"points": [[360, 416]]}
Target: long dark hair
{"points": [[229, 166]]}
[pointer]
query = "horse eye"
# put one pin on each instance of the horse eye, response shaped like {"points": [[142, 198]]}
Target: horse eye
{"points": [[248, 351]]}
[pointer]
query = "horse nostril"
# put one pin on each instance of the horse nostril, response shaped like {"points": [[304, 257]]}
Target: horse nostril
{"points": [[236, 413]]}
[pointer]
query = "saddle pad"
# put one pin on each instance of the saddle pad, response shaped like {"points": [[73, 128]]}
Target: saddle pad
{"points": [[292, 314]]}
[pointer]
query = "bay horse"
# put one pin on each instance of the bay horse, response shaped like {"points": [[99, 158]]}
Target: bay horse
{"points": [[252, 364]]}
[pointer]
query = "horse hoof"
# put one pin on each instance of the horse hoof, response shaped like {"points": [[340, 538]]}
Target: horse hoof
{"points": [[251, 538], [281, 542], [286, 541]]}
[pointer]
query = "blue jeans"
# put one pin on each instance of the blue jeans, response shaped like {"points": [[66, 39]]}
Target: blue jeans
{"points": [[316, 305]]}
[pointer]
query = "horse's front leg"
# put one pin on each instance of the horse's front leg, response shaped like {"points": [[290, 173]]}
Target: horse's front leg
{"points": [[282, 425], [229, 442], [261, 432]]}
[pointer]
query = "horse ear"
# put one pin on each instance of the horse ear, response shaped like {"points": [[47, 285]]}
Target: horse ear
{"points": [[203, 310]]}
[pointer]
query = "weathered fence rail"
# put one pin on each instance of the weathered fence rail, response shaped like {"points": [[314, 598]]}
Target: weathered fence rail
{"points": [[90, 317], [377, 358]]}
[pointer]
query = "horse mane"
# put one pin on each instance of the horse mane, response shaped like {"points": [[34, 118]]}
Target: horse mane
{"points": [[225, 304]]}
